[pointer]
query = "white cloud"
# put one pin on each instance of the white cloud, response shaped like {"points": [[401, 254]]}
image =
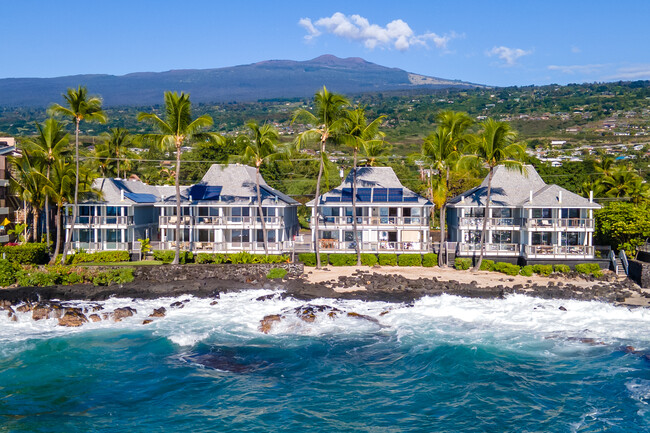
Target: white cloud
{"points": [[312, 31], [639, 72], [509, 55], [576, 69], [397, 33], [575, 49]]}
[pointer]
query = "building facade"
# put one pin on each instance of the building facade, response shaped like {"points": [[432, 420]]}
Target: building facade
{"points": [[527, 219], [7, 204], [390, 218]]}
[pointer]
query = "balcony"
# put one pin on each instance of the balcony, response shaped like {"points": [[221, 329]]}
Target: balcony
{"points": [[224, 247], [99, 220], [465, 249], [102, 246], [374, 221], [477, 222], [333, 245], [555, 251], [223, 221], [560, 223]]}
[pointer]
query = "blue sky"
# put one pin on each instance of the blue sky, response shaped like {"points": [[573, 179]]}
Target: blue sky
{"points": [[491, 42]]}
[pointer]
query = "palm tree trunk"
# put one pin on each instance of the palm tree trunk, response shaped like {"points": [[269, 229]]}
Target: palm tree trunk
{"points": [[177, 254], [261, 214], [36, 221], [47, 214], [357, 247], [443, 221], [58, 234], [118, 163], [317, 207], [485, 219], [75, 210]]}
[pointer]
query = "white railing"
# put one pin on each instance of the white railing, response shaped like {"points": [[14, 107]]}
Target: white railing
{"points": [[492, 222], [218, 220], [584, 251], [223, 247], [102, 246], [99, 220], [623, 257], [562, 223], [330, 245], [489, 248], [374, 221]]}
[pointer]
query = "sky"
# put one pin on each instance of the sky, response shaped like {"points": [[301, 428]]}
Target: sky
{"points": [[498, 43]]}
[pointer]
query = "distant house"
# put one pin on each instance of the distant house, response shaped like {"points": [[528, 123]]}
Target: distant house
{"points": [[528, 219], [7, 147], [390, 217]]}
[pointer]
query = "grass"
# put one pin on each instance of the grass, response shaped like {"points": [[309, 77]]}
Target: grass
{"points": [[140, 263]]}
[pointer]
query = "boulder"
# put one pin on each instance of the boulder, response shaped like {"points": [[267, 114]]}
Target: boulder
{"points": [[177, 304], [72, 318], [146, 321], [267, 322], [95, 317], [24, 308], [121, 313], [158, 312]]}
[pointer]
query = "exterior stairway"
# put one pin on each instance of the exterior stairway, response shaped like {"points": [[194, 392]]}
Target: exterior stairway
{"points": [[620, 270]]}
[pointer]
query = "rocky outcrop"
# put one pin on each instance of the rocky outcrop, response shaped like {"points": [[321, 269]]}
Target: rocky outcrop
{"points": [[73, 317], [158, 312], [267, 322], [121, 313]]}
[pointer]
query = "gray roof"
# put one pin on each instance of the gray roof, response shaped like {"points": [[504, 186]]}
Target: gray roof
{"points": [[237, 184], [512, 188], [111, 190], [373, 177]]}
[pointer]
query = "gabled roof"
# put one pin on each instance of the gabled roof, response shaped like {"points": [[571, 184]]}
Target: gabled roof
{"points": [[129, 192], [374, 185], [512, 188]]}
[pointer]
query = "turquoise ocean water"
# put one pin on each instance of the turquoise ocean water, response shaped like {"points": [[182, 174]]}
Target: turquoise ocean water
{"points": [[443, 364]]}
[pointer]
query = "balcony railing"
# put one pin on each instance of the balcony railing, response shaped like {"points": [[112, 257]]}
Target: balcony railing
{"points": [[100, 220], [560, 223], [330, 245], [559, 251], [223, 247], [102, 246], [505, 249], [492, 222], [374, 221], [218, 220]]}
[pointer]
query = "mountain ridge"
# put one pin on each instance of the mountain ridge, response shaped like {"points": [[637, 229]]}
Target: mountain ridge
{"points": [[268, 79]]}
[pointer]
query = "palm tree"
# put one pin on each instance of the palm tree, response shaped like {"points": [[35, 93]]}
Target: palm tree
{"points": [[30, 185], [356, 132], [375, 153], [176, 129], [63, 177], [623, 182], [51, 144], [80, 106], [326, 121], [118, 146], [495, 145], [260, 149]]}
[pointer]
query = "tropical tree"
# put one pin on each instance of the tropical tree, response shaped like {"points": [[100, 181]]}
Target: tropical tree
{"points": [[118, 145], [495, 145], [52, 143], [325, 123], [261, 148], [357, 133], [176, 129], [374, 153], [80, 106], [622, 182], [62, 179], [29, 184]]}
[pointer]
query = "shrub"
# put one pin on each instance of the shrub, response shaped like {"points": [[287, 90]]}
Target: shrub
{"points": [[462, 263], [275, 259], [166, 256], [589, 269], [429, 260], [117, 276], [343, 259], [243, 257], [562, 269], [409, 260], [507, 268], [33, 278], [210, 258], [7, 273], [487, 265], [101, 257], [68, 259], [388, 259], [276, 273], [527, 271], [369, 259], [544, 270], [309, 259], [28, 254]]}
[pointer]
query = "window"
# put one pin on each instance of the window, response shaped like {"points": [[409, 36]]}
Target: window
{"points": [[502, 212], [542, 213], [545, 238], [570, 238], [502, 237], [571, 213], [472, 237], [269, 233], [477, 212], [240, 236], [241, 211], [206, 235], [329, 234]]}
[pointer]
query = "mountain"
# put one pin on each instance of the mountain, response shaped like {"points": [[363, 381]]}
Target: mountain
{"points": [[263, 80]]}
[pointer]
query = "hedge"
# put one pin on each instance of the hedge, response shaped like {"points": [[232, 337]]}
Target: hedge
{"points": [[527, 271], [7, 273], [507, 268], [276, 273], [28, 254], [409, 260], [388, 259], [462, 263], [429, 260], [166, 256], [210, 258], [101, 257], [65, 276], [369, 259], [563, 269], [589, 269], [487, 265], [343, 259], [309, 259], [544, 270]]}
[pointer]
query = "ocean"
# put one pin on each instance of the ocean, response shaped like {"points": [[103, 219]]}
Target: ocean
{"points": [[440, 364]]}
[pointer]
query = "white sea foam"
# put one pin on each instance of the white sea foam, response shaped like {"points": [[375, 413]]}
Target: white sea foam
{"points": [[520, 321]]}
